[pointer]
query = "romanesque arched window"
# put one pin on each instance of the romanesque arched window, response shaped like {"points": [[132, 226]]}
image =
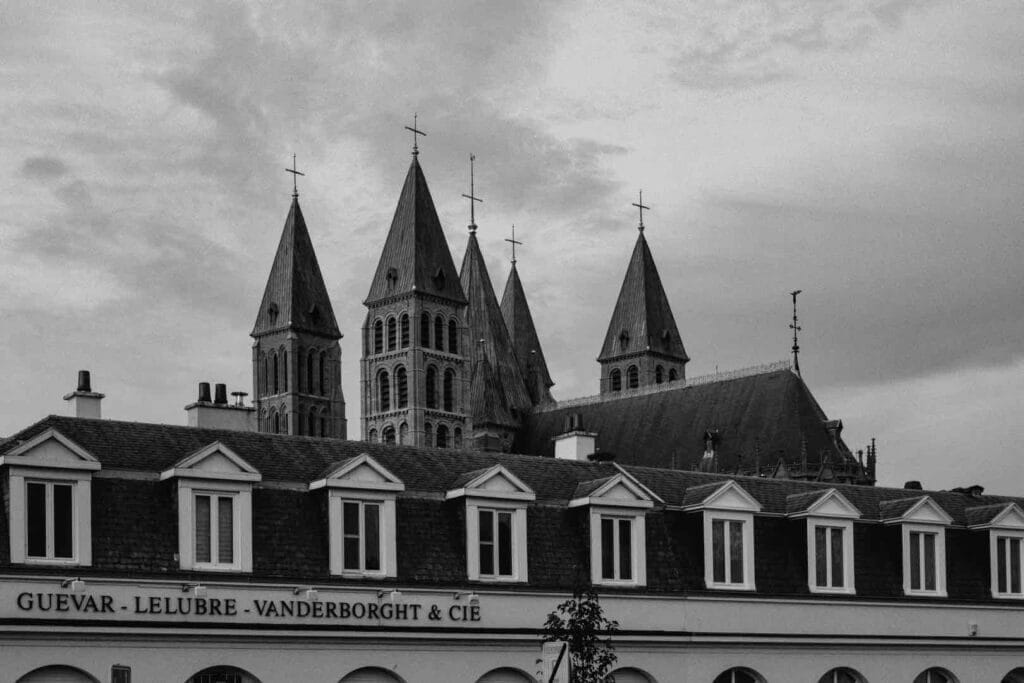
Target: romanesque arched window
{"points": [[439, 333], [402, 387], [392, 334], [449, 390], [431, 388], [633, 377], [405, 330], [672, 375], [442, 436], [403, 433], [311, 422], [274, 422], [324, 429], [453, 336], [739, 675], [371, 436], [264, 386], [428, 435], [659, 374], [841, 674], [935, 675], [425, 330], [378, 336], [615, 379], [324, 378], [388, 434], [457, 438], [310, 375], [284, 421], [276, 374], [383, 392]]}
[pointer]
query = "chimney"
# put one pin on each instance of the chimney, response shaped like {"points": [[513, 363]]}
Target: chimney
{"points": [[218, 413], [83, 401], [575, 443], [913, 485]]}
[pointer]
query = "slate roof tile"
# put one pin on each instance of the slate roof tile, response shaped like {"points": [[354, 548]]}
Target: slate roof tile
{"points": [[525, 341]]}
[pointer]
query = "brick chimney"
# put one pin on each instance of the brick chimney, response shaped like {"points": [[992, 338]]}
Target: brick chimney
{"points": [[218, 413], [575, 443], [83, 401]]}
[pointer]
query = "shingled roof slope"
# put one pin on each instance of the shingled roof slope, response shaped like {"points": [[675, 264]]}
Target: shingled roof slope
{"points": [[525, 342], [415, 255], [295, 287], [642, 312], [487, 327], [769, 412], [487, 396]]}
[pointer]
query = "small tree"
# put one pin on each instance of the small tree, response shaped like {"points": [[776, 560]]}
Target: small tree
{"points": [[580, 622]]}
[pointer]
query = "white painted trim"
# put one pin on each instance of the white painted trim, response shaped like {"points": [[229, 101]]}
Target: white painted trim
{"points": [[624, 479], [648, 492], [940, 558], [336, 477], [241, 493], [994, 560], [19, 455], [1001, 521], [388, 538], [914, 514], [710, 501], [848, 587], [611, 502], [187, 466], [519, 548], [814, 509], [81, 496], [638, 551], [747, 518], [495, 495], [475, 486]]}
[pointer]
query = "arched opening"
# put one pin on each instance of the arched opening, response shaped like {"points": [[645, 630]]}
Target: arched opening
{"points": [[276, 374], [841, 674], [425, 330], [403, 433], [405, 330], [275, 422], [659, 374], [615, 379], [223, 674], [457, 438], [402, 386], [371, 436], [388, 435], [428, 435], [284, 370], [739, 675], [431, 388], [630, 675], [284, 421], [1015, 676], [392, 334], [378, 336], [371, 674], [453, 337], [57, 674], [633, 377], [936, 675], [449, 390], [672, 375], [506, 674], [310, 362], [324, 388], [383, 391], [442, 436], [311, 423], [439, 333], [264, 385], [324, 430]]}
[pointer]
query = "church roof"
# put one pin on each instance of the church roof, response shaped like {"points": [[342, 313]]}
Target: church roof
{"points": [[525, 342], [487, 396], [415, 256], [764, 414], [486, 324], [642, 320], [295, 296]]}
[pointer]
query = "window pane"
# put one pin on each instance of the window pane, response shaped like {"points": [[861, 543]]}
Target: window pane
{"points": [[1015, 565], [350, 519], [1001, 562], [62, 521], [718, 549], [225, 530], [608, 548], [915, 561], [929, 562], [35, 519], [371, 519], [202, 528], [505, 543], [837, 558], [736, 552], [625, 549], [487, 542], [820, 558], [350, 550]]}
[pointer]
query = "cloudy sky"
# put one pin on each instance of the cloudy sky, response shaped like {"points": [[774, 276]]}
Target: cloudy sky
{"points": [[868, 152]]}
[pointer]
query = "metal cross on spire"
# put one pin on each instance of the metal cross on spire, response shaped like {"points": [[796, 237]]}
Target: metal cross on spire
{"points": [[473, 199], [295, 178], [795, 326], [415, 131], [513, 242], [640, 205]]}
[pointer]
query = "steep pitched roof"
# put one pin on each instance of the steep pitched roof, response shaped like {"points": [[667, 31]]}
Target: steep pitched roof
{"points": [[415, 256], [525, 342], [295, 296], [486, 324], [765, 414], [487, 396], [642, 320]]}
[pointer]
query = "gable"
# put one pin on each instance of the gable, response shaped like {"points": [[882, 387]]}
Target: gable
{"points": [[1007, 516], [619, 490], [728, 496], [213, 461], [494, 482], [829, 503], [924, 511], [51, 449], [360, 472]]}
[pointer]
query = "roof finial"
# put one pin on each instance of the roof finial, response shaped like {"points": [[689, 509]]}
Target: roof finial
{"points": [[795, 326], [415, 131], [472, 197], [295, 178], [513, 242], [640, 205]]}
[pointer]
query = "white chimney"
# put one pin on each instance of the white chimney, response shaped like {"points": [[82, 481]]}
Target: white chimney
{"points": [[83, 401], [575, 443], [218, 413]]}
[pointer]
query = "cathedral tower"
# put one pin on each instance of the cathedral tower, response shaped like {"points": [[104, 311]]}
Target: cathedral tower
{"points": [[525, 342], [296, 357], [414, 371], [642, 346]]}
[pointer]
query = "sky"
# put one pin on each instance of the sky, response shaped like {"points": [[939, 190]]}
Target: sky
{"points": [[867, 152]]}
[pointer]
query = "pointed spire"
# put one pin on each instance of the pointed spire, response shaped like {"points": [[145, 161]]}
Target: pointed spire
{"points": [[642, 321], [485, 322], [487, 395], [415, 257], [295, 296], [473, 199], [525, 342]]}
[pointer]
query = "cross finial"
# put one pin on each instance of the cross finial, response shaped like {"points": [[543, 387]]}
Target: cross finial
{"points": [[295, 178], [473, 199], [415, 131], [640, 205], [513, 242], [795, 326]]}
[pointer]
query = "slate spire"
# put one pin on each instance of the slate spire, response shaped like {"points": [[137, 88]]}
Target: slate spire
{"points": [[525, 342]]}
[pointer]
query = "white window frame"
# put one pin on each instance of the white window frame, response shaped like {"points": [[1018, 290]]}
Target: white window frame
{"points": [[386, 533], [241, 496], [638, 545], [994, 535], [747, 519], [50, 556], [215, 540], [939, 532], [848, 587], [519, 554]]}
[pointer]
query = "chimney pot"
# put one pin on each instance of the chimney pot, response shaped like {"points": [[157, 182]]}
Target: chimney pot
{"points": [[204, 392], [913, 485], [84, 382], [221, 394]]}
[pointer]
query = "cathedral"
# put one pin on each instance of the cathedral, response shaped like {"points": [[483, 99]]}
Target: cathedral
{"points": [[445, 364]]}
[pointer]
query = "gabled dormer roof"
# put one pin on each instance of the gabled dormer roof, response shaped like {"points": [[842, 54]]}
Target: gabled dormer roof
{"points": [[487, 328], [213, 461], [827, 503], [999, 516], [620, 490], [50, 448], [525, 342], [917, 510], [361, 472], [642, 321], [415, 256], [295, 296], [490, 482], [726, 495]]}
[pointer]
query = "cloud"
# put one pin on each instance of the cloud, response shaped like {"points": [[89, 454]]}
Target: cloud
{"points": [[43, 168]]}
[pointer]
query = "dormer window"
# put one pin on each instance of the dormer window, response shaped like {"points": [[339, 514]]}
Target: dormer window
{"points": [[923, 524], [1005, 525], [829, 517], [728, 511]]}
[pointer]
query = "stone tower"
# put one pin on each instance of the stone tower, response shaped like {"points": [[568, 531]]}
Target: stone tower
{"points": [[296, 357], [642, 346], [415, 366]]}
